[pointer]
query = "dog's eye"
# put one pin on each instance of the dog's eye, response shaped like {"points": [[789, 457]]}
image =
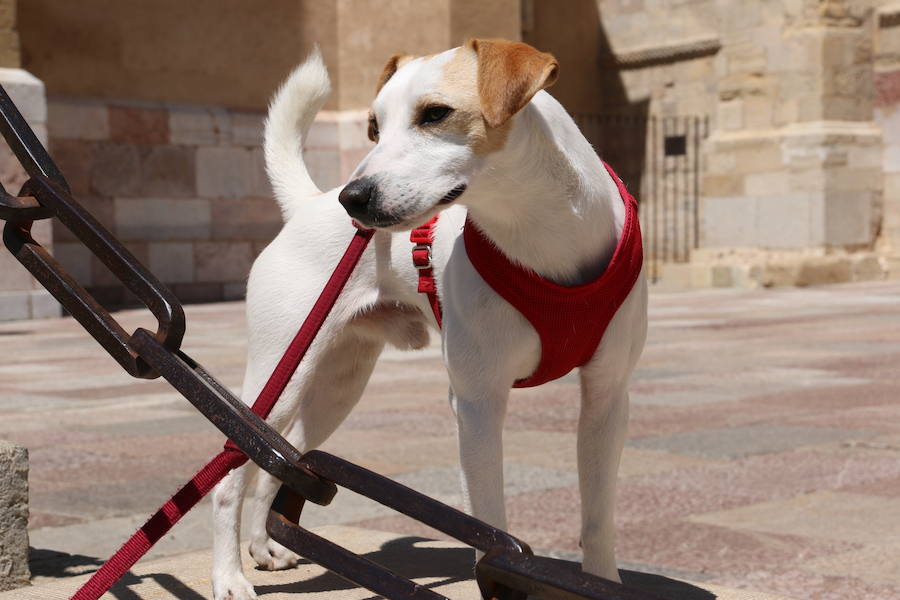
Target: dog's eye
{"points": [[434, 114], [373, 129]]}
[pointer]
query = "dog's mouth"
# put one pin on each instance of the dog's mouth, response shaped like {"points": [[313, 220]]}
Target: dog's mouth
{"points": [[452, 194], [391, 222]]}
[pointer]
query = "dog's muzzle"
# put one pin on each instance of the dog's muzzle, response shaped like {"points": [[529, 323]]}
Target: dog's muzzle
{"points": [[356, 196]]}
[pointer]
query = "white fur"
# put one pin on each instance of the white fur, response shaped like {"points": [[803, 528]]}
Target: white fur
{"points": [[546, 201], [291, 113]]}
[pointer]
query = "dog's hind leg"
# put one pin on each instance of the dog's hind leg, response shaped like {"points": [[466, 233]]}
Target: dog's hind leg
{"points": [[338, 376], [228, 579]]}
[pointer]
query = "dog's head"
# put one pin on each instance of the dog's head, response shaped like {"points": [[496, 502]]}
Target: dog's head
{"points": [[435, 121]]}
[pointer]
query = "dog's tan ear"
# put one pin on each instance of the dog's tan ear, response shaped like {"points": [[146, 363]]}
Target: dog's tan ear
{"points": [[509, 74], [393, 63]]}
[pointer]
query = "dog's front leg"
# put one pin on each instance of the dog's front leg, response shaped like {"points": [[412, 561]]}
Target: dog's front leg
{"points": [[602, 428], [479, 417], [487, 345]]}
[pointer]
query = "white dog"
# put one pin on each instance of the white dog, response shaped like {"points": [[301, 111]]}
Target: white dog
{"points": [[467, 131]]}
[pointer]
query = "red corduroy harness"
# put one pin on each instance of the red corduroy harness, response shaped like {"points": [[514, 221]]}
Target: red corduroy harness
{"points": [[570, 321]]}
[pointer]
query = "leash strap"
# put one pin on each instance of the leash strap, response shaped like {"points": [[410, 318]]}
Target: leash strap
{"points": [[231, 457], [423, 237]]}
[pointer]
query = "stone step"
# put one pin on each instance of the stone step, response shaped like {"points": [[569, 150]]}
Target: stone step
{"points": [[444, 567]]}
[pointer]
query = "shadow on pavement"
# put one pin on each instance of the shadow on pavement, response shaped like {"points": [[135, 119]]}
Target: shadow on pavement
{"points": [[51, 563], [452, 565], [403, 555]]}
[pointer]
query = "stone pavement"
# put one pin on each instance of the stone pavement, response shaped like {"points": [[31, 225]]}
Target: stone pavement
{"points": [[441, 566], [764, 448]]}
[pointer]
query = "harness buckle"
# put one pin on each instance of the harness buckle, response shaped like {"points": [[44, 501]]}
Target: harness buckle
{"points": [[418, 263]]}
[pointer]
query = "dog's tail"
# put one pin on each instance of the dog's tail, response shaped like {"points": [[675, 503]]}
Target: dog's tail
{"points": [[291, 113]]}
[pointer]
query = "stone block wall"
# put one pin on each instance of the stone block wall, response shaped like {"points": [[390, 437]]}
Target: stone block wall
{"points": [[887, 115], [183, 187], [21, 297], [793, 189], [14, 571]]}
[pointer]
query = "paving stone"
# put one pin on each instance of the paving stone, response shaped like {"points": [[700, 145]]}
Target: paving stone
{"points": [[785, 361], [743, 441], [874, 563], [718, 550], [821, 515]]}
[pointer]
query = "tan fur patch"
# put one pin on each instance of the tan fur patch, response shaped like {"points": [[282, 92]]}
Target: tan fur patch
{"points": [[460, 84], [509, 75], [394, 62]]}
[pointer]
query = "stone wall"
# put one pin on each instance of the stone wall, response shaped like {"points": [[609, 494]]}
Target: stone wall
{"points": [[793, 181], [610, 65], [20, 296], [887, 115], [184, 188]]}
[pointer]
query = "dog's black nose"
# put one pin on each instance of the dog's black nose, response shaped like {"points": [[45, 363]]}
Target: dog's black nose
{"points": [[356, 195]]}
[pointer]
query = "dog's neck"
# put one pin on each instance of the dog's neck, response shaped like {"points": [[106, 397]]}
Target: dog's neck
{"points": [[546, 200]]}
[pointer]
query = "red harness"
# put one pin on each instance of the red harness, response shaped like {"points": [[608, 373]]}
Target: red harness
{"points": [[570, 321]]}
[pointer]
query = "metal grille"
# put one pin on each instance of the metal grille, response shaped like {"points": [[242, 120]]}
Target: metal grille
{"points": [[659, 159]]}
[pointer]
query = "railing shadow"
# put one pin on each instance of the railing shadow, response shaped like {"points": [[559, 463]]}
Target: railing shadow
{"points": [[403, 555], [455, 565], [50, 563]]}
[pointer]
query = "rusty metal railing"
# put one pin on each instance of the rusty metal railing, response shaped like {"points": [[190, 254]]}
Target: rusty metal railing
{"points": [[507, 571]]}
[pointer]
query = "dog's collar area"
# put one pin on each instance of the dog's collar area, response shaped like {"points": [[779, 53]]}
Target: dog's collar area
{"points": [[423, 236]]}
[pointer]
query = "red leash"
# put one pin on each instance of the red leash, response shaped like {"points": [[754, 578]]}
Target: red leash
{"points": [[231, 457]]}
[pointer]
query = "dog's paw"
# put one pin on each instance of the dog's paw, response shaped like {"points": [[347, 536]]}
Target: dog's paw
{"points": [[605, 569], [272, 556], [233, 587]]}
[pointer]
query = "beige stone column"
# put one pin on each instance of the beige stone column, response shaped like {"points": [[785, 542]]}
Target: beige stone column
{"points": [[14, 571], [793, 186], [887, 114], [21, 297]]}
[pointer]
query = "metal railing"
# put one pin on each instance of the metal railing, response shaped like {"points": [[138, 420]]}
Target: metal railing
{"points": [[659, 159], [508, 569]]}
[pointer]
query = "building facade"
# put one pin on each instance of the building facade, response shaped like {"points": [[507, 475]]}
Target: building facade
{"points": [[763, 138]]}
